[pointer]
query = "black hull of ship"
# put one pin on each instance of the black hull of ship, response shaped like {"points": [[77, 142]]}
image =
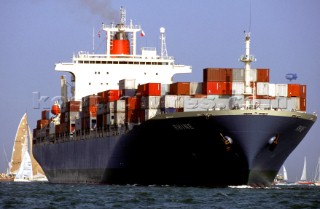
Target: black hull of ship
{"points": [[184, 149]]}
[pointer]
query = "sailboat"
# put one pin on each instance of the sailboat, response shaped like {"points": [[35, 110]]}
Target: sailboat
{"points": [[303, 180], [282, 177], [23, 166], [317, 174]]}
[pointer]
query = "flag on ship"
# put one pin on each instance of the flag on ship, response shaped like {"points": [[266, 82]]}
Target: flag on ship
{"points": [[142, 33]]}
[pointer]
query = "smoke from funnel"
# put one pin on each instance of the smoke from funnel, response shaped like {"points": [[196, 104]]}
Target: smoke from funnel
{"points": [[102, 8]]}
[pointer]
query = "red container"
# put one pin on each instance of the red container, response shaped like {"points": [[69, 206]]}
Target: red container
{"points": [[113, 95], [45, 115], [149, 89], [263, 75], [109, 96], [217, 88], [73, 106], [303, 104], [90, 111], [303, 91], [132, 103], [294, 90], [217, 74], [89, 100], [42, 123], [180, 88], [132, 116]]}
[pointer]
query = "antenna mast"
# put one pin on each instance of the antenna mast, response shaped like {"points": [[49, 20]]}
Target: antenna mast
{"points": [[164, 52], [247, 59]]}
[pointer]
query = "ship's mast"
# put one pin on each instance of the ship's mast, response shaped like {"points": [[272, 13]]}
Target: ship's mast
{"points": [[164, 53], [247, 59]]}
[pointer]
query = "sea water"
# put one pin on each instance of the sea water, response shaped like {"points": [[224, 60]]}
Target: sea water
{"points": [[46, 195]]}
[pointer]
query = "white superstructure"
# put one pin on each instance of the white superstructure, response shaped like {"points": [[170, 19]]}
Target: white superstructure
{"points": [[93, 73]]}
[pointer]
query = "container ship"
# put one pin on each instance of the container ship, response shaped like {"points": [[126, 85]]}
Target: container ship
{"points": [[124, 120]]}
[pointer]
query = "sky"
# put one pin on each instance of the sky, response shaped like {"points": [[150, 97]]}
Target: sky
{"points": [[36, 34]]}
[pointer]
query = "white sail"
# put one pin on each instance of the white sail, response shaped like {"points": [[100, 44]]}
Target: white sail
{"points": [[25, 171], [285, 175], [20, 139], [23, 165], [304, 171]]}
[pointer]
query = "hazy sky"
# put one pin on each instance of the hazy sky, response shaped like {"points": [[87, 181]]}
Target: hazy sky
{"points": [[36, 34]]}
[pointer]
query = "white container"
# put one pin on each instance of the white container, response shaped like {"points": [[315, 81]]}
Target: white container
{"points": [[195, 88], [150, 102], [119, 118], [127, 84], [262, 88], [281, 90], [120, 106], [168, 101], [150, 113], [237, 88]]}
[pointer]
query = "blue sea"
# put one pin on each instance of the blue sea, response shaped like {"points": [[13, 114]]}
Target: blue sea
{"points": [[46, 195]]}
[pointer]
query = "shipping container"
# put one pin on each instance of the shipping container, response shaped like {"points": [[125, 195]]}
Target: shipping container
{"points": [[113, 95], [70, 117], [237, 75], [73, 106], [88, 123], [102, 109], [168, 101], [89, 100], [237, 88], [128, 92], [263, 75], [127, 84], [294, 103], [253, 75], [217, 74], [272, 90], [150, 102], [303, 91], [132, 116], [180, 101], [110, 118], [42, 123], [195, 88], [180, 88], [295, 90], [110, 107], [165, 89], [281, 90], [78, 124], [262, 88], [150, 113], [110, 95], [133, 103], [218, 88], [119, 118], [45, 115], [120, 106], [149, 89], [90, 111]]}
